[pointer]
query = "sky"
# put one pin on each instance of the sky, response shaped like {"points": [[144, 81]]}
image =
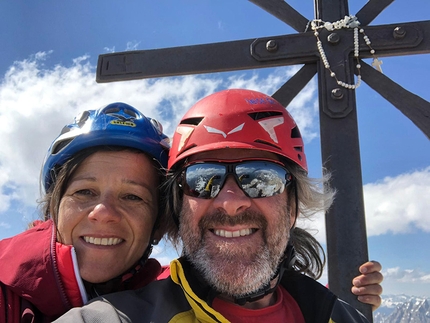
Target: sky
{"points": [[48, 56]]}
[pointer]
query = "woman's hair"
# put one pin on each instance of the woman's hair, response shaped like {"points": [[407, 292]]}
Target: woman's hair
{"points": [[50, 202], [306, 196]]}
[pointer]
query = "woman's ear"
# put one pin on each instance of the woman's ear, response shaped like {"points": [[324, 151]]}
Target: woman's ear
{"points": [[156, 237]]}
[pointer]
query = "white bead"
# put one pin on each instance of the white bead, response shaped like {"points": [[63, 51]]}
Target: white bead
{"points": [[328, 26], [372, 51]]}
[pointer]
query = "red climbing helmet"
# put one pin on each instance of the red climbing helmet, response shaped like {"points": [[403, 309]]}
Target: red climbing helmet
{"points": [[237, 119]]}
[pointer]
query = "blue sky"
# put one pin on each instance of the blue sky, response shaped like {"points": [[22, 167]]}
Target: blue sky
{"points": [[48, 54]]}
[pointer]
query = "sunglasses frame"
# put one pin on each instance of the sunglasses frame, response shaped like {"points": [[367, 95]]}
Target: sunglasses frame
{"points": [[230, 167]]}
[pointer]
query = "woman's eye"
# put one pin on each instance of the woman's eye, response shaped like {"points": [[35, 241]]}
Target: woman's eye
{"points": [[84, 192], [133, 197]]}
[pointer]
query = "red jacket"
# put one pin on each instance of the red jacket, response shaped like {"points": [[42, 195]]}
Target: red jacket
{"points": [[39, 277]]}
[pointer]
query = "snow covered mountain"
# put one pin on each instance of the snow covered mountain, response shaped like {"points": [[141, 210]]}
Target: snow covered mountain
{"points": [[403, 309]]}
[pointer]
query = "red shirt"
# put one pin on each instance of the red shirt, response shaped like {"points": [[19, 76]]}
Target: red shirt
{"points": [[284, 310]]}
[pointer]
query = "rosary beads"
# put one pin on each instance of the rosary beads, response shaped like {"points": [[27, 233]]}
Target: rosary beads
{"points": [[347, 22]]}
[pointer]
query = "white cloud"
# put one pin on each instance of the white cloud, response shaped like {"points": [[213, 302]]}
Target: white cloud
{"points": [[393, 205], [109, 49], [221, 25], [398, 204], [398, 280], [132, 45], [406, 275], [37, 101]]}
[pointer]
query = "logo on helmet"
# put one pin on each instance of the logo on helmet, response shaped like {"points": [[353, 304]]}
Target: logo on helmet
{"points": [[270, 124], [121, 120], [261, 101], [123, 123], [214, 130]]}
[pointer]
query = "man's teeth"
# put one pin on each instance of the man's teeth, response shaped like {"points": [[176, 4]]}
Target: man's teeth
{"points": [[233, 234], [103, 241]]}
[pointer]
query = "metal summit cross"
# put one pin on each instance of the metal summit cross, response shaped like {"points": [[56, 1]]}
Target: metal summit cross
{"points": [[331, 45]]}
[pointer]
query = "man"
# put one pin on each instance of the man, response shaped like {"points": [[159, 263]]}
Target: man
{"points": [[237, 183]]}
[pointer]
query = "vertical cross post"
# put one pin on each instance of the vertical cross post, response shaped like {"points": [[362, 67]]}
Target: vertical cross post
{"points": [[345, 222]]}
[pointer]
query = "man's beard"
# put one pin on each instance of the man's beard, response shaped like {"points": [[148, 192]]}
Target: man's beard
{"points": [[231, 269]]}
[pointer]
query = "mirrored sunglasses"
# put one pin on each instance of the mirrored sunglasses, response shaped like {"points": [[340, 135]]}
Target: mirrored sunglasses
{"points": [[256, 178]]}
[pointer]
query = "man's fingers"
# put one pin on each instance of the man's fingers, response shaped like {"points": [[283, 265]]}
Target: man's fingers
{"points": [[368, 279], [375, 301], [370, 266], [374, 289]]}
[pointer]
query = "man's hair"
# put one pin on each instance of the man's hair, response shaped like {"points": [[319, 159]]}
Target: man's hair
{"points": [[312, 195]]}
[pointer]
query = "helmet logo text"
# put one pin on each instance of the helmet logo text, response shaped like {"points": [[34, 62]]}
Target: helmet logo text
{"points": [[123, 123], [261, 101]]}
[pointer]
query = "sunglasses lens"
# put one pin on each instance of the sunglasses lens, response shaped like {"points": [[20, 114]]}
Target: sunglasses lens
{"points": [[203, 180], [256, 178], [261, 179]]}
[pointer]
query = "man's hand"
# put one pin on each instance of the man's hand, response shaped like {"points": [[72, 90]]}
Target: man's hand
{"points": [[367, 285]]}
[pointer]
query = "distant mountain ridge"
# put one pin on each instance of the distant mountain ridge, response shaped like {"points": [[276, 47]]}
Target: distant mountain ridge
{"points": [[403, 309]]}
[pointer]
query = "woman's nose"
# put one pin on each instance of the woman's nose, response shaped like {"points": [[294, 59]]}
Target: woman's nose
{"points": [[105, 211]]}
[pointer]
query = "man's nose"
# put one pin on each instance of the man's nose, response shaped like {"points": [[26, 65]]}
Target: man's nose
{"points": [[231, 198]]}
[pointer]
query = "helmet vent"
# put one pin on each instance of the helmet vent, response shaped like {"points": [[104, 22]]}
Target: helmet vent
{"points": [[131, 113], [59, 146], [298, 148], [111, 110], [65, 130], [295, 133], [263, 115], [192, 121]]}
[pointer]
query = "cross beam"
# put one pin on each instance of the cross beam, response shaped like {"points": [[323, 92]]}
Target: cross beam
{"points": [[388, 40], [338, 120]]}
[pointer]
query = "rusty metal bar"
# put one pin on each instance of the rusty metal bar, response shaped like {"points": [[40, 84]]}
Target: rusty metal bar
{"points": [[331, 10], [371, 10], [345, 221], [287, 92], [388, 40], [284, 12], [412, 106], [207, 58]]}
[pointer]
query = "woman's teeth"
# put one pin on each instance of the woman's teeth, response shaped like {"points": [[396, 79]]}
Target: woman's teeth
{"points": [[103, 241]]}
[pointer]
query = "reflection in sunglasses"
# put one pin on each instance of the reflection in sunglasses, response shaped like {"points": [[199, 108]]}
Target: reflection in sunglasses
{"points": [[256, 178]]}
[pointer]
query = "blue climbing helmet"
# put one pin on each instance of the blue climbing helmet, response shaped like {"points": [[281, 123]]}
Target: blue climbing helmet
{"points": [[117, 124]]}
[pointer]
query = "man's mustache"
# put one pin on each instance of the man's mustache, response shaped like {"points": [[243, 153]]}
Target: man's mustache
{"points": [[220, 218]]}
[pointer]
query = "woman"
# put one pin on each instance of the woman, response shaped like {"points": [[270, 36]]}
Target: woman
{"points": [[101, 178]]}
